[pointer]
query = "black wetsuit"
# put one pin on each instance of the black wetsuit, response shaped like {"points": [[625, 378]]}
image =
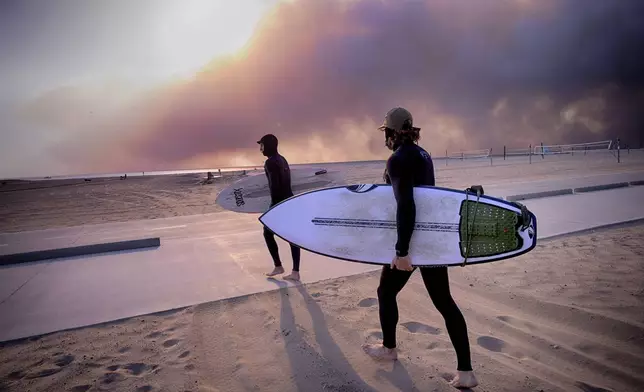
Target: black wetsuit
{"points": [[409, 166], [278, 174]]}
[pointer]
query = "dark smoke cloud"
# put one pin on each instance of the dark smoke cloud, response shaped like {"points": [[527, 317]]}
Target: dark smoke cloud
{"points": [[476, 74]]}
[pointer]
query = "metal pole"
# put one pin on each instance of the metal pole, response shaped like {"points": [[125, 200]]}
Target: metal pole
{"points": [[504, 153], [618, 156], [542, 157], [530, 153]]}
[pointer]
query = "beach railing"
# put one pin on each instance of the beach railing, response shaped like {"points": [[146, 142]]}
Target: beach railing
{"points": [[467, 155], [473, 154], [604, 145]]}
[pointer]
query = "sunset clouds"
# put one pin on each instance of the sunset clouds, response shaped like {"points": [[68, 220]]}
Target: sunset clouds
{"points": [[322, 74]]}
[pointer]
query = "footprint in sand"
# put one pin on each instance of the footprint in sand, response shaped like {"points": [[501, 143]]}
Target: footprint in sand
{"points": [[170, 343], [184, 354], [490, 343], [15, 375], [590, 388], [367, 302], [111, 377], [123, 350], [432, 345], [44, 373], [154, 335], [136, 368], [60, 360], [80, 388], [117, 373], [329, 292], [145, 388], [415, 327], [93, 365], [499, 346]]}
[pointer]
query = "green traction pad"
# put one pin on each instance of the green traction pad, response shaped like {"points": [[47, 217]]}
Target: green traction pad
{"points": [[492, 230]]}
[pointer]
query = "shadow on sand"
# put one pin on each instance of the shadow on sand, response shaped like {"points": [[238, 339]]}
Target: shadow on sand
{"points": [[336, 374]]}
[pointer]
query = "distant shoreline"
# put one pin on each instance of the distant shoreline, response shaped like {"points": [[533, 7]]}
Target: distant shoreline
{"points": [[146, 173], [229, 169]]}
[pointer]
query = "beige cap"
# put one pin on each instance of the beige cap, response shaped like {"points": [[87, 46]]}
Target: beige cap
{"points": [[397, 118]]}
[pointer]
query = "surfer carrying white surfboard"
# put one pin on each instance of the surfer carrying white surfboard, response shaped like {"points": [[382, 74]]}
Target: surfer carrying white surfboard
{"points": [[278, 174], [408, 166]]}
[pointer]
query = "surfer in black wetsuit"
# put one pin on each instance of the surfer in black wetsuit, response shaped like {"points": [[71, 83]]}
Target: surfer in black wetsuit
{"points": [[278, 174], [410, 165]]}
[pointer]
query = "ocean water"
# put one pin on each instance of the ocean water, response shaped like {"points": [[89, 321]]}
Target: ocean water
{"points": [[217, 172], [454, 162]]}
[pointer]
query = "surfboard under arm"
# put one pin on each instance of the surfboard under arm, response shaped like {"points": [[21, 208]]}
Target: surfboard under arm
{"points": [[357, 223]]}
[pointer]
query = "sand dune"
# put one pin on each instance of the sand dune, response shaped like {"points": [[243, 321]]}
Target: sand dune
{"points": [[565, 317]]}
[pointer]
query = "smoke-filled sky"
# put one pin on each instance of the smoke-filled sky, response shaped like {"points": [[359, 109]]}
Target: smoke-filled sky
{"points": [[120, 85]]}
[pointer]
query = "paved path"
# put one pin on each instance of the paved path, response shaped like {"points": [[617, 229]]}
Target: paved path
{"points": [[204, 258], [202, 226]]}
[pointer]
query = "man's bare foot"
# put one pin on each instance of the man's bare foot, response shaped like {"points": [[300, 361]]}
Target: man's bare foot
{"points": [[380, 352], [294, 276], [276, 271], [464, 380]]}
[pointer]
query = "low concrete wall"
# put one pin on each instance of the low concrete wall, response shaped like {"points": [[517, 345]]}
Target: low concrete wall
{"points": [[602, 187], [83, 250], [570, 191], [537, 195]]}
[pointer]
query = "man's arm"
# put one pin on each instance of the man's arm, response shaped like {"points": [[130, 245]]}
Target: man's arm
{"points": [[274, 184], [403, 187]]}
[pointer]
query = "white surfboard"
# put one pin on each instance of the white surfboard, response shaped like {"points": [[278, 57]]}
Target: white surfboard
{"points": [[358, 223], [251, 194]]}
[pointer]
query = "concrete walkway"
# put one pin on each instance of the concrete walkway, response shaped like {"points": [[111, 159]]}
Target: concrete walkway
{"points": [[204, 258], [199, 226]]}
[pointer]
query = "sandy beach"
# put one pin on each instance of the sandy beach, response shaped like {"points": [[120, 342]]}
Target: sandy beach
{"points": [[38, 205], [566, 317], [144, 195]]}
